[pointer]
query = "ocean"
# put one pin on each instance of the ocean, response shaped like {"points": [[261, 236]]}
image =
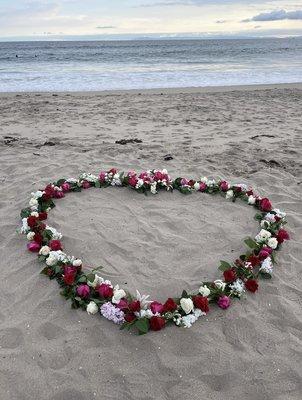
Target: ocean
{"points": [[140, 64]]}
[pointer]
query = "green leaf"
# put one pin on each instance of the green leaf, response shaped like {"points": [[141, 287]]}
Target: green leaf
{"points": [[44, 271], [224, 266], [25, 213], [41, 258], [251, 243], [184, 293], [265, 275], [97, 184], [82, 279], [142, 325], [90, 277], [61, 181]]}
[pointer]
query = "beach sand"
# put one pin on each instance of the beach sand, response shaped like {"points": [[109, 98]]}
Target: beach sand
{"points": [[159, 245]]}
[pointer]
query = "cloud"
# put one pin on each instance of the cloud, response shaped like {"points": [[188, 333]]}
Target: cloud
{"points": [[197, 3], [106, 27], [276, 15]]}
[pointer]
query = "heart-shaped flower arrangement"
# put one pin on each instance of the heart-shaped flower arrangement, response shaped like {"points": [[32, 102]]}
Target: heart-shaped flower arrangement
{"points": [[91, 292]]}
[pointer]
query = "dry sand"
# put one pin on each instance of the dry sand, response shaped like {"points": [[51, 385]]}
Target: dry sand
{"points": [[157, 244]]}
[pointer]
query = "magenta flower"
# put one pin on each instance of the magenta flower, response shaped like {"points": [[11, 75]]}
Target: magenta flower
{"points": [[34, 247], [85, 185], [65, 187], [83, 290], [224, 186], [156, 307], [202, 186], [224, 302], [102, 176]]}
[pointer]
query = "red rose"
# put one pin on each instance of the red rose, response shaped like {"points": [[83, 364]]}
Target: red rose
{"points": [[55, 245], [42, 215], [201, 302], [38, 238], [191, 182], [69, 277], [129, 317], [157, 323], [105, 290], [135, 306], [113, 171], [282, 235], [169, 305], [251, 285], [254, 260], [32, 221], [265, 205], [229, 275]]}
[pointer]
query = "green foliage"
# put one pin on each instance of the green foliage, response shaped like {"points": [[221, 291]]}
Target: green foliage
{"points": [[251, 243], [224, 266]]}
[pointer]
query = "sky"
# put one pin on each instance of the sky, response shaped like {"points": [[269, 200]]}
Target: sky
{"points": [[160, 18]]}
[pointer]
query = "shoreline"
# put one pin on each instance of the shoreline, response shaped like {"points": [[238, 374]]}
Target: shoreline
{"points": [[175, 90]]}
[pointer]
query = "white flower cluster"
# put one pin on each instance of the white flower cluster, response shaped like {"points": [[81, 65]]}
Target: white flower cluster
{"points": [[237, 287], [116, 180], [88, 177], [55, 234], [267, 266], [264, 237], [188, 320]]}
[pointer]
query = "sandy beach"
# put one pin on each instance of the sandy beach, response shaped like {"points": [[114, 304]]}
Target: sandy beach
{"points": [[158, 245]]}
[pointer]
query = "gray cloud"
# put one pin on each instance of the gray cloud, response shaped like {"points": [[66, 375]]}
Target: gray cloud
{"points": [[276, 15]]}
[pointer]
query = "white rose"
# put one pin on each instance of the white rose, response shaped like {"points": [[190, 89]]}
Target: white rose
{"points": [[44, 251], [272, 242], [50, 261], [251, 200], [204, 291], [92, 308], [77, 263], [118, 294], [263, 235], [34, 214], [30, 235], [219, 284], [196, 185], [229, 194], [33, 202], [187, 305]]}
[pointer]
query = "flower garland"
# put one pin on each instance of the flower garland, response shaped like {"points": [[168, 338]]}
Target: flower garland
{"points": [[91, 292]]}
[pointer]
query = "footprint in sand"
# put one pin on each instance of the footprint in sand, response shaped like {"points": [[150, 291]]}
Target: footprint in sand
{"points": [[11, 338]]}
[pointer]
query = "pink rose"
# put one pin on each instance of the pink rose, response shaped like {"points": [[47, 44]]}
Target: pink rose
{"points": [[224, 186], [122, 304], [156, 307], [265, 204], [102, 176], [184, 182], [202, 186], [85, 185], [105, 290], [265, 252], [158, 176], [224, 302], [143, 175], [34, 247], [132, 181], [83, 290], [65, 187], [58, 194]]}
